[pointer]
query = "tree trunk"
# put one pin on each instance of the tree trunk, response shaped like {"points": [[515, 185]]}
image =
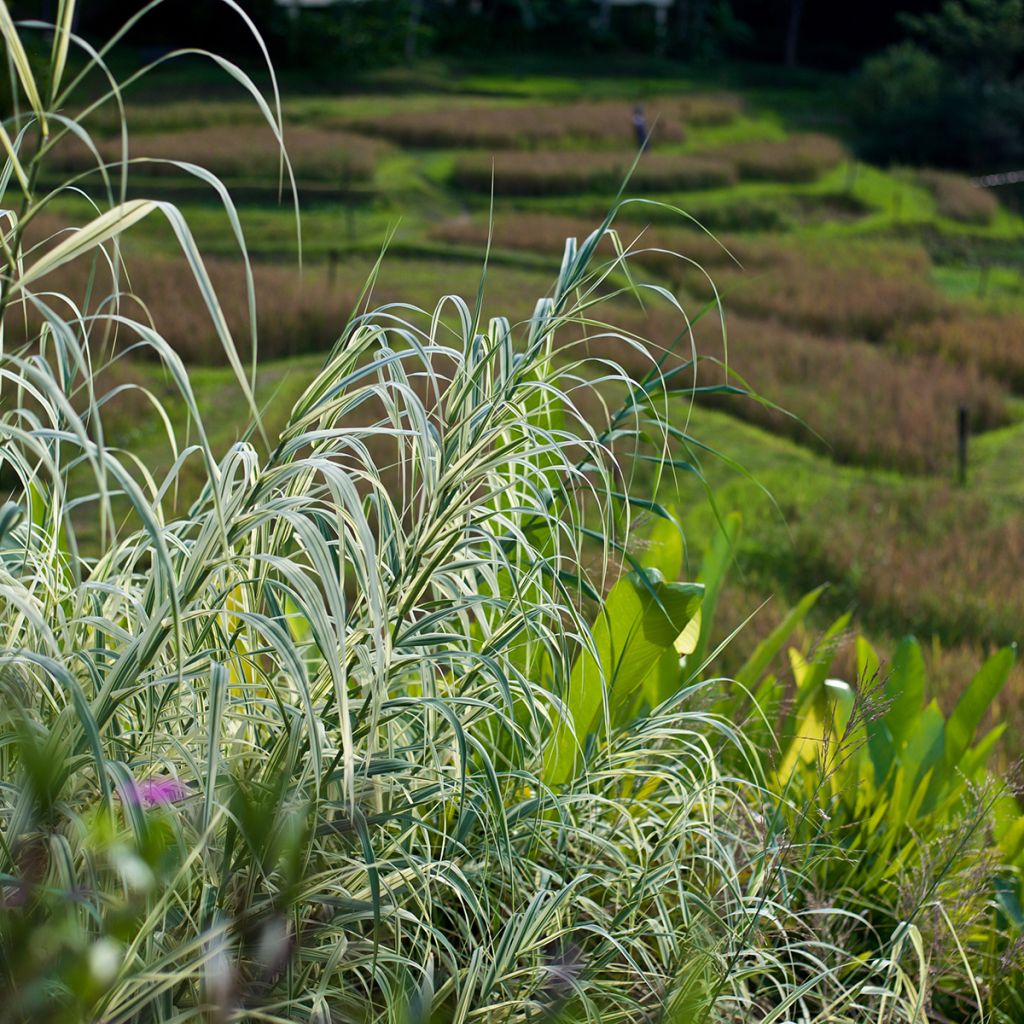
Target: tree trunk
{"points": [[796, 13], [681, 21], [413, 30], [697, 10], [526, 13]]}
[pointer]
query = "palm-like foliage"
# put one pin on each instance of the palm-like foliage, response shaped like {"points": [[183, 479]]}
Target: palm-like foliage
{"points": [[287, 753]]}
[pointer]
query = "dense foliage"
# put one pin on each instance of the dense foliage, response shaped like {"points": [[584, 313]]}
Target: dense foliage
{"points": [[892, 803], [952, 95], [350, 37], [400, 716]]}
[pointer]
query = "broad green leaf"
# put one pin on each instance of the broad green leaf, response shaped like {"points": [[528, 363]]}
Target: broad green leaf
{"points": [[713, 574], [975, 701], [663, 680], [974, 763], [904, 689], [1008, 897], [800, 667], [810, 675], [925, 743], [640, 620], [841, 695], [880, 744], [664, 550], [686, 642], [867, 662], [880, 750], [808, 738], [1008, 826], [768, 648]]}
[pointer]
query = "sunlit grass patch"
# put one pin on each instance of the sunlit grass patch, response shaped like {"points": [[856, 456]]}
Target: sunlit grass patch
{"points": [[908, 555], [298, 312], [857, 402], [851, 301], [505, 127], [854, 402], [657, 247], [796, 159], [942, 562]]}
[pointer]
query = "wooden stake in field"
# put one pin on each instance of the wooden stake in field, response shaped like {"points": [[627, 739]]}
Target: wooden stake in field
{"points": [[963, 431]]}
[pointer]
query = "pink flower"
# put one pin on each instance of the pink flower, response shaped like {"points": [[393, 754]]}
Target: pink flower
{"points": [[158, 792]]}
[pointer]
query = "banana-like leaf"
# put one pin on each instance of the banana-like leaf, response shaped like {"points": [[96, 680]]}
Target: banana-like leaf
{"points": [[1008, 828], [924, 747], [867, 662], [810, 675], [639, 622], [880, 744], [769, 647], [974, 703], [665, 549], [974, 764], [904, 689], [714, 570], [809, 726]]}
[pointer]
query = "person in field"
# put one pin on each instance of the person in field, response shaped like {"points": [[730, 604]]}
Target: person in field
{"points": [[640, 128]]}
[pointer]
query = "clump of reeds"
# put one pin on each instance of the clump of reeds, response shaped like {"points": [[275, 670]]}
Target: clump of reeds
{"points": [[237, 152], [959, 198], [564, 172], [797, 158], [852, 301], [533, 126], [990, 341]]}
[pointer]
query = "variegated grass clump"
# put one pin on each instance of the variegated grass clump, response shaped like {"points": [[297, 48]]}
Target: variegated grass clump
{"points": [[308, 748]]}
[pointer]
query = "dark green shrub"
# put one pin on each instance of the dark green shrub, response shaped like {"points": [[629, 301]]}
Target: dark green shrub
{"points": [[898, 105], [953, 98]]}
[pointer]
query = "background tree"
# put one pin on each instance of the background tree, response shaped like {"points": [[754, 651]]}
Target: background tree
{"points": [[796, 14], [951, 95]]}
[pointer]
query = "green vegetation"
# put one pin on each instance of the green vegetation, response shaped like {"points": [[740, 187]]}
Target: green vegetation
{"points": [[866, 305], [385, 636], [893, 801], [951, 94]]}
